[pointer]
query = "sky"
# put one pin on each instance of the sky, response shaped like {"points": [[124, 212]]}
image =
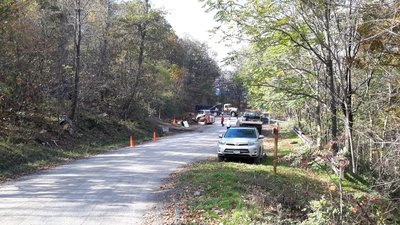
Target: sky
{"points": [[188, 18]]}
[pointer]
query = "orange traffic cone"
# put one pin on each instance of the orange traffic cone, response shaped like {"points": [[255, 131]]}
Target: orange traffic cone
{"points": [[154, 136], [132, 143]]}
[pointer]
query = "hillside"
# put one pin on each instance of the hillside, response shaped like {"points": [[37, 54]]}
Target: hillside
{"points": [[30, 142]]}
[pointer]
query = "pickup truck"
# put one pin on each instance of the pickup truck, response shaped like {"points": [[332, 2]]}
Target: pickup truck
{"points": [[251, 119]]}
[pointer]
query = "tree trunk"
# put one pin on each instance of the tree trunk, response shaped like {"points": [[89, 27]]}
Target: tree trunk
{"points": [[104, 57], [78, 38], [319, 126], [349, 134], [298, 117], [143, 35], [371, 141], [139, 72], [330, 74], [349, 118], [61, 60], [348, 105], [318, 119], [333, 109]]}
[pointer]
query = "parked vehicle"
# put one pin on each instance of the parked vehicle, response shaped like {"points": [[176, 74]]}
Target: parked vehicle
{"points": [[205, 116], [265, 118], [244, 142], [251, 119], [229, 109], [215, 109]]}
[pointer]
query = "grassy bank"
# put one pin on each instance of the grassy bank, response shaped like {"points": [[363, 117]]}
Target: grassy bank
{"points": [[233, 192], [35, 142]]}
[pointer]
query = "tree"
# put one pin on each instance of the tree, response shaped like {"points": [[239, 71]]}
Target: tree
{"points": [[201, 73], [77, 45], [326, 54], [142, 19]]}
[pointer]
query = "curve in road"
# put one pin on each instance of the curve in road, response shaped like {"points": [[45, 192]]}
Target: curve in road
{"points": [[118, 187]]}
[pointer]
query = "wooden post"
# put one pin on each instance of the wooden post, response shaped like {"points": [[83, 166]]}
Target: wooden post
{"points": [[275, 131]]}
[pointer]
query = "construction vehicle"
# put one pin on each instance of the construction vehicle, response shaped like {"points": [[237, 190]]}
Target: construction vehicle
{"points": [[230, 110], [215, 109], [251, 119], [205, 116]]}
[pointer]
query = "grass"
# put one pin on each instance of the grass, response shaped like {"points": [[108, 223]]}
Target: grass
{"points": [[240, 193], [214, 192]]}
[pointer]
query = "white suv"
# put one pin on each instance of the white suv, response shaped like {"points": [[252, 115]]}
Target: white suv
{"points": [[241, 142]]}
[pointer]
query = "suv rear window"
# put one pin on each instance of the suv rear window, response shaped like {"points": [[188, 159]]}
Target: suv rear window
{"points": [[241, 133]]}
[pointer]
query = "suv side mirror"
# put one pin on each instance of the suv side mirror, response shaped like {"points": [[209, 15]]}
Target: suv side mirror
{"points": [[220, 135], [261, 137]]}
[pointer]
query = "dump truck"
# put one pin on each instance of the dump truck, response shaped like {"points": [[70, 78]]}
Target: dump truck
{"points": [[251, 119]]}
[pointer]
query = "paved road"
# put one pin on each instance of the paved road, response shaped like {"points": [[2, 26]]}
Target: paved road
{"points": [[115, 188]]}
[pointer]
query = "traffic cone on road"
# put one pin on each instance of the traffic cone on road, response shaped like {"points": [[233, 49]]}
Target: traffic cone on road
{"points": [[132, 143], [154, 136]]}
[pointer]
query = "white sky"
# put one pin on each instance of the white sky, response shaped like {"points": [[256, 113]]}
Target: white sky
{"points": [[188, 18]]}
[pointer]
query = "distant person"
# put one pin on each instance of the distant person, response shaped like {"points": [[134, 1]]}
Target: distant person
{"points": [[222, 119], [228, 124]]}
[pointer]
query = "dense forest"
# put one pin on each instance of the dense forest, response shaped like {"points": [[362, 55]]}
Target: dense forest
{"points": [[122, 60], [333, 68]]}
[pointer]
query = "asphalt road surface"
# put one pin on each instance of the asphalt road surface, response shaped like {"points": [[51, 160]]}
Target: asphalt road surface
{"points": [[115, 188]]}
